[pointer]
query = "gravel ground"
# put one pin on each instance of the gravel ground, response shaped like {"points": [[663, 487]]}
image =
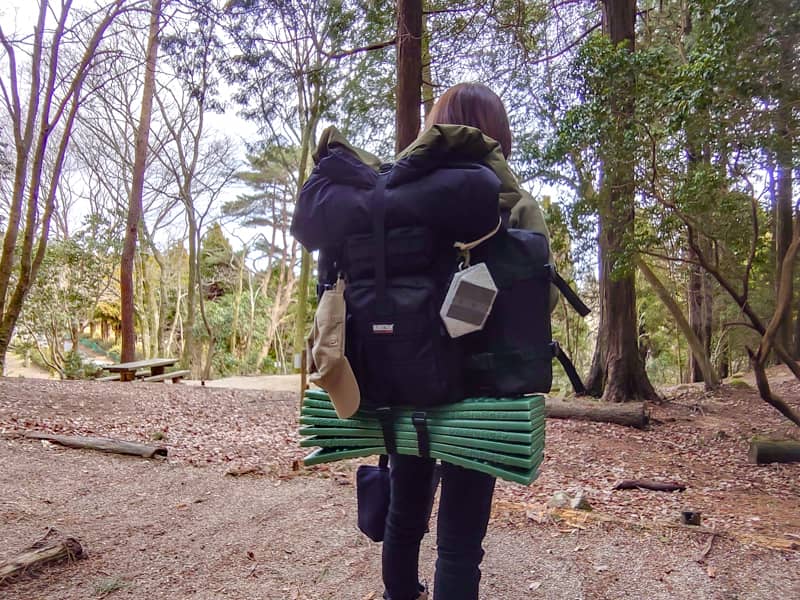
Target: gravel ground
{"points": [[182, 528]]}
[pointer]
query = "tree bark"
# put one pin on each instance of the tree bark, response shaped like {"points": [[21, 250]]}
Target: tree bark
{"points": [[625, 375], [137, 187], [630, 414], [763, 451], [409, 71]]}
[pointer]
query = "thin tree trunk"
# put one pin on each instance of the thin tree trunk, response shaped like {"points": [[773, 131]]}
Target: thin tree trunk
{"points": [[152, 312], [237, 301], [596, 381], [137, 188], [783, 196], [695, 343], [305, 260], [140, 299], [427, 75], [409, 71], [187, 356]]}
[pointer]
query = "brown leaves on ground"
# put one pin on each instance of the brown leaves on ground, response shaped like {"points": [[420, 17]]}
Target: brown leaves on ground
{"points": [[696, 438]]}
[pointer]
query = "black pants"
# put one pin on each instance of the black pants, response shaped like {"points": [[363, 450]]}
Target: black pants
{"points": [[464, 508]]}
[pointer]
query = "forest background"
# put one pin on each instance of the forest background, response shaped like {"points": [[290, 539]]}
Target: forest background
{"points": [[660, 137]]}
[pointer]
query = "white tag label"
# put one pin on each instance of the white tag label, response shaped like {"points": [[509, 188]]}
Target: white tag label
{"points": [[383, 328], [469, 300]]}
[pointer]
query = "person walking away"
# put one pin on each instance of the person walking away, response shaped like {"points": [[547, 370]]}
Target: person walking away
{"points": [[466, 495]]}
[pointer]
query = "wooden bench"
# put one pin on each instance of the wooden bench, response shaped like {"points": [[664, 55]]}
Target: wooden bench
{"points": [[175, 376], [114, 377]]}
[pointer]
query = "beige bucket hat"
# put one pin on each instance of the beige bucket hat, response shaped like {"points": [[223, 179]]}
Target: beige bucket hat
{"points": [[327, 364]]}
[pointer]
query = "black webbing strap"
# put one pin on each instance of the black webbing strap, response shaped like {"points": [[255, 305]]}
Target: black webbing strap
{"points": [[569, 368], [420, 421], [379, 236], [383, 461], [568, 292], [386, 419]]}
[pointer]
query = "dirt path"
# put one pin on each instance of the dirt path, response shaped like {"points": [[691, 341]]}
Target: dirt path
{"points": [[270, 383], [165, 531], [181, 528], [15, 367]]}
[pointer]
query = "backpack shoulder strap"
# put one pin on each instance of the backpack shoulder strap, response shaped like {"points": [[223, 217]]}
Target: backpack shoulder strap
{"points": [[569, 369], [568, 292]]}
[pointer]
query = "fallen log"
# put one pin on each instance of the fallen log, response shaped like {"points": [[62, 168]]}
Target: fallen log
{"points": [[648, 484], [763, 451], [45, 551], [101, 444], [630, 414]]}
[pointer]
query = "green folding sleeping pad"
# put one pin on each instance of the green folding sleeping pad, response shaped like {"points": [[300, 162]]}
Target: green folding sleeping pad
{"points": [[503, 437]]}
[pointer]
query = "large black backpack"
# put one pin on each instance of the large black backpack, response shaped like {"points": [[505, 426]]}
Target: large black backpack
{"points": [[396, 343], [513, 353]]}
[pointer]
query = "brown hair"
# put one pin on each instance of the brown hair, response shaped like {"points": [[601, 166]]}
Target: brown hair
{"points": [[475, 105]]}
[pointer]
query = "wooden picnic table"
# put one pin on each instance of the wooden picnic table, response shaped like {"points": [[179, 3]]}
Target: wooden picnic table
{"points": [[127, 370]]}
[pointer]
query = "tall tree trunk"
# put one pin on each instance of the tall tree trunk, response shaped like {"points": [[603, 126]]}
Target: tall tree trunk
{"points": [[596, 381], [783, 195], [153, 314], [161, 307], [700, 316], [427, 75], [409, 71], [312, 112], [137, 188], [625, 376], [695, 318], [237, 302], [140, 299], [188, 354], [305, 263]]}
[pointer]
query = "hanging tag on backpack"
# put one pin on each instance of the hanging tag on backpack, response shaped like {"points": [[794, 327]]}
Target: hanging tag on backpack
{"points": [[468, 301]]}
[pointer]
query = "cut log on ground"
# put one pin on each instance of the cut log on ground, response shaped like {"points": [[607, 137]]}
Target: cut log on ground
{"points": [[101, 444], [648, 484], [46, 551], [763, 451], [631, 414]]}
